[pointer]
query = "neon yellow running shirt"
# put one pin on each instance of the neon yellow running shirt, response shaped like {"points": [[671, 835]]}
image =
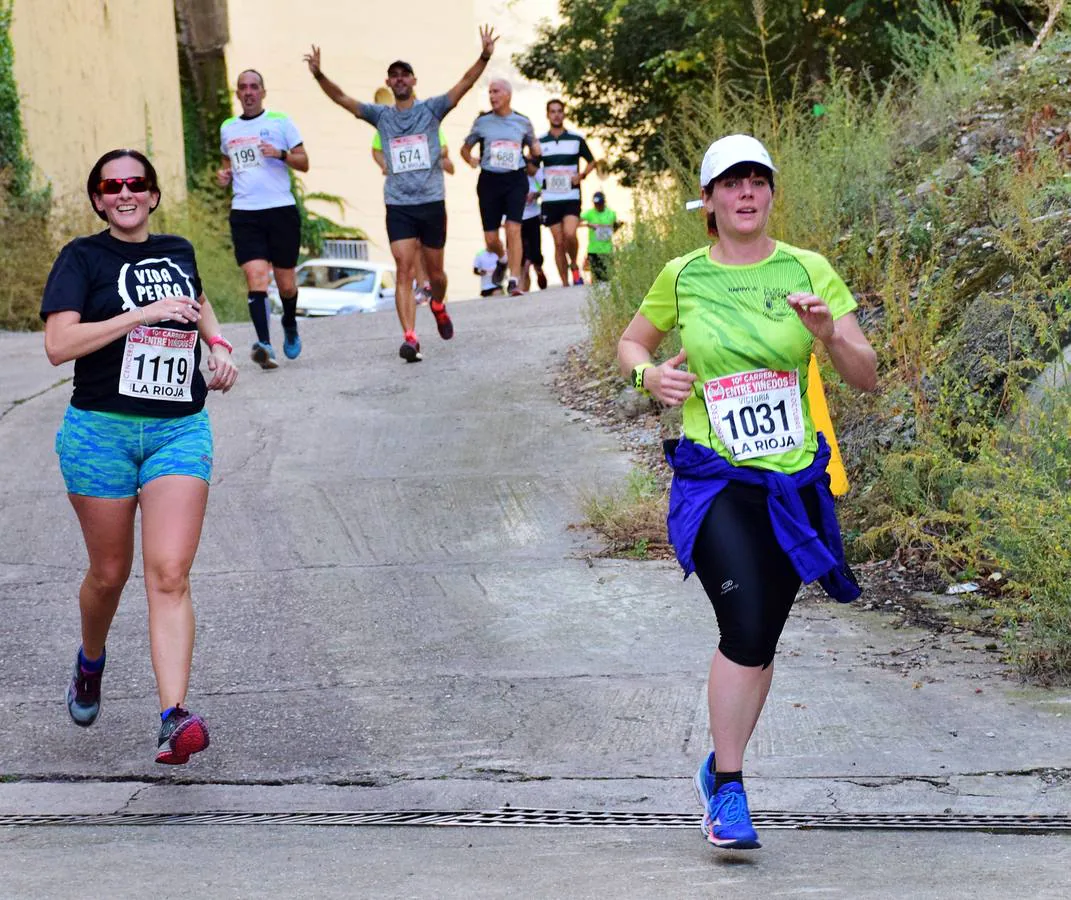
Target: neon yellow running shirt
{"points": [[735, 321]]}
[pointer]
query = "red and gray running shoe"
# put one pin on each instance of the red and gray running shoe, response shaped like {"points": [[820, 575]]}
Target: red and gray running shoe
{"points": [[442, 319], [181, 735]]}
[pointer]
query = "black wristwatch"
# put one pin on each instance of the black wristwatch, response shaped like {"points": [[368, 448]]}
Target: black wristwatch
{"points": [[282, 154]]}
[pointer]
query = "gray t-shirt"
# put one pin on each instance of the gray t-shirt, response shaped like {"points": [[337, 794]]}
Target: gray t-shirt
{"points": [[501, 139], [411, 149]]}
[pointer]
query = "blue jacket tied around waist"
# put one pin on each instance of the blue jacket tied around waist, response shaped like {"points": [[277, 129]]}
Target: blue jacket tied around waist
{"points": [[699, 475]]}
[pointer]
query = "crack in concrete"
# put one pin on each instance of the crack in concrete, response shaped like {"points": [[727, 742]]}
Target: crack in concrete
{"points": [[126, 806], [478, 773], [20, 401]]}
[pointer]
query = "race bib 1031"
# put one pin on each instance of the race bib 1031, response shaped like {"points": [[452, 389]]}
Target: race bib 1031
{"points": [[757, 413]]}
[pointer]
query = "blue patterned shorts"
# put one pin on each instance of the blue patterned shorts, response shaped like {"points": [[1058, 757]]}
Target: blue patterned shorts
{"points": [[113, 455]]}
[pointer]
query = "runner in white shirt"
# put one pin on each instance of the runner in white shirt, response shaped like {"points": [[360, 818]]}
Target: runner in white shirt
{"points": [[531, 230], [484, 265], [259, 148]]}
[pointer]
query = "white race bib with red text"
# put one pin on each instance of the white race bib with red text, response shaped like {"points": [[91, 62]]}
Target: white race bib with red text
{"points": [[245, 153], [158, 364], [505, 154], [409, 153], [756, 413]]}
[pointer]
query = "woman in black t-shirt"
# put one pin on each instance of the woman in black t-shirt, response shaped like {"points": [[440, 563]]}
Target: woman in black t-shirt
{"points": [[128, 308]]}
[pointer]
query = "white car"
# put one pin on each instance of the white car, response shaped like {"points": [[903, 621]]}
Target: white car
{"points": [[331, 287]]}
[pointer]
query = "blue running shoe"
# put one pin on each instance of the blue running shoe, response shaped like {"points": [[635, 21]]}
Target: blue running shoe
{"points": [[727, 820], [83, 695], [704, 782], [264, 356], [291, 342]]}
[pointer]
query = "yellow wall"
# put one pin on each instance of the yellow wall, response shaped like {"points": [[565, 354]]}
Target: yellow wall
{"points": [[358, 41], [94, 75]]}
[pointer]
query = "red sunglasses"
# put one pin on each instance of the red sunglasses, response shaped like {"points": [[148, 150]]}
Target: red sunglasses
{"points": [[137, 184]]}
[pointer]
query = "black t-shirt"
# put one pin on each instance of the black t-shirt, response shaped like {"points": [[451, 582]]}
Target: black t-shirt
{"points": [[154, 370]]}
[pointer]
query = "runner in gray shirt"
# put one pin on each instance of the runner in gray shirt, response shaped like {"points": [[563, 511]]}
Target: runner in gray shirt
{"points": [[503, 185], [413, 192]]}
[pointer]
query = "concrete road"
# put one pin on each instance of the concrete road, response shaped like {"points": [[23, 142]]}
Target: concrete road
{"points": [[395, 612]]}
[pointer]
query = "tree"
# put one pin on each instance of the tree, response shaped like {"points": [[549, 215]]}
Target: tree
{"points": [[626, 65]]}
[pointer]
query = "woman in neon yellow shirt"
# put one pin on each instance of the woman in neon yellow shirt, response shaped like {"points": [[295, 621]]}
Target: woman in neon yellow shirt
{"points": [[750, 507]]}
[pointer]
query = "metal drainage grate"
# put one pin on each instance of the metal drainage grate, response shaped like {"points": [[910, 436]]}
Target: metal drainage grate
{"points": [[565, 818]]}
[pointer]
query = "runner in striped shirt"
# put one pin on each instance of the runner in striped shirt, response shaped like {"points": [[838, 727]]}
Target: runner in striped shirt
{"points": [[562, 152]]}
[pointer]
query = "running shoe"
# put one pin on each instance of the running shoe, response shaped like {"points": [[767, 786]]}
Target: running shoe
{"points": [[442, 319], [410, 349], [264, 356], [500, 271], [577, 277], [541, 280], [514, 289], [726, 818], [181, 734], [704, 781], [83, 695], [291, 342]]}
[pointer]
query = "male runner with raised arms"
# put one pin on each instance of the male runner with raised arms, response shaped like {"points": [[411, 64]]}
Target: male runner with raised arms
{"points": [[503, 185], [259, 148], [421, 285], [562, 152], [414, 192]]}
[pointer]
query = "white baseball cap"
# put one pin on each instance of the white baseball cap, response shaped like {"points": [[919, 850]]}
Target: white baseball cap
{"points": [[726, 152]]}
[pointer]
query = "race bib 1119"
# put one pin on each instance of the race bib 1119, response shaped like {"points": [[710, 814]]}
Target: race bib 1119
{"points": [[158, 364]]}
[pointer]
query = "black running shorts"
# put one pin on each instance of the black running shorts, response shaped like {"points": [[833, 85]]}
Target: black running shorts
{"points": [[424, 221], [272, 234], [600, 266], [556, 210], [501, 194], [532, 241], [749, 579]]}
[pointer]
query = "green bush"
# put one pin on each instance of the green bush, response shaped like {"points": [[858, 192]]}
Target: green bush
{"points": [[203, 220]]}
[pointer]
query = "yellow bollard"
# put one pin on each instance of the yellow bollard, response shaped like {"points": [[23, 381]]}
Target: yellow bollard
{"points": [[816, 398]]}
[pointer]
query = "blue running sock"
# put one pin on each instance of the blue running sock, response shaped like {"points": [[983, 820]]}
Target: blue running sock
{"points": [[167, 712], [91, 665]]}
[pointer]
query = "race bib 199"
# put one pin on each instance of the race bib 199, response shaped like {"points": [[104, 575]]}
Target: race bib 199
{"points": [[559, 179], [756, 413], [245, 153], [505, 155], [158, 364], [409, 153]]}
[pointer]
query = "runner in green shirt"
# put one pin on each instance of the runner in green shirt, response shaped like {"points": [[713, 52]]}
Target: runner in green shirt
{"points": [[602, 222], [750, 507]]}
